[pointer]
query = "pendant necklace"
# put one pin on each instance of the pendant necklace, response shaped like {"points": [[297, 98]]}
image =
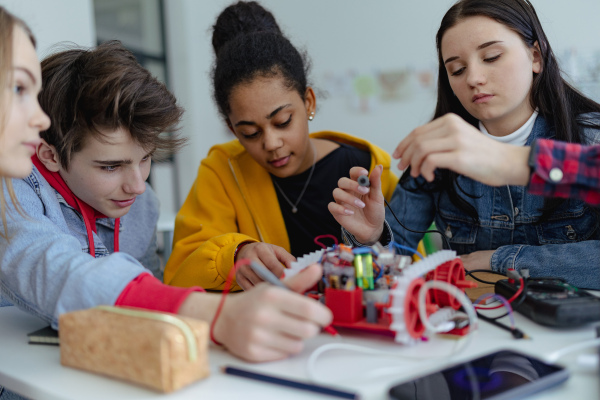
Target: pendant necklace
{"points": [[312, 169]]}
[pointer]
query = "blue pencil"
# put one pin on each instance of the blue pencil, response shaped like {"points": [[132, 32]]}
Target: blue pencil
{"points": [[289, 383]]}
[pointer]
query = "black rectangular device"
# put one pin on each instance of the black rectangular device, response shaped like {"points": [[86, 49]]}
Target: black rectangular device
{"points": [[501, 375], [552, 302]]}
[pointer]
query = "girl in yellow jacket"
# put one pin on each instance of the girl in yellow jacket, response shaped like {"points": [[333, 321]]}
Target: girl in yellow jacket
{"points": [[265, 195]]}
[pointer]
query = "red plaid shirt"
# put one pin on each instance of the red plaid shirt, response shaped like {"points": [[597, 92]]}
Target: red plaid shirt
{"points": [[566, 170]]}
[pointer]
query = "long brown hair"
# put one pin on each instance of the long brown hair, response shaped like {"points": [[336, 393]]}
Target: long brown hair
{"points": [[555, 99], [8, 22]]}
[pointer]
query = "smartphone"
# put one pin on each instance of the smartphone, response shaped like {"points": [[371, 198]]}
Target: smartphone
{"points": [[504, 374]]}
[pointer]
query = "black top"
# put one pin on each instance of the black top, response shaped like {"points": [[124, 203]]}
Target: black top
{"points": [[313, 217]]}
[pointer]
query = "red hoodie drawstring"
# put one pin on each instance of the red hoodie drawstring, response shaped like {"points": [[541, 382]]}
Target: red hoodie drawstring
{"points": [[89, 214]]}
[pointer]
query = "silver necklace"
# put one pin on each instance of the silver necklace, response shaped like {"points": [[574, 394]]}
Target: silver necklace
{"points": [[312, 169]]}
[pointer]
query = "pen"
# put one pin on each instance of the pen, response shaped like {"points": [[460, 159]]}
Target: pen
{"points": [[266, 275], [289, 383]]}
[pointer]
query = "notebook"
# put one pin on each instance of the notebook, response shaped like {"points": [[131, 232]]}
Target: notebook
{"points": [[45, 335]]}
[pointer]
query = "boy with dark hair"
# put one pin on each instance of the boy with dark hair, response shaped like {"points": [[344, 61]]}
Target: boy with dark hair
{"points": [[89, 234]]}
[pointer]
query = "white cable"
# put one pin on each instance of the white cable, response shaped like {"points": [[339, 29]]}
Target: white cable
{"points": [[452, 291], [553, 357], [310, 364], [312, 360], [442, 319]]}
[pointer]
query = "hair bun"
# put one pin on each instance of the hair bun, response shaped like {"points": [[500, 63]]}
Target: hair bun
{"points": [[242, 18]]}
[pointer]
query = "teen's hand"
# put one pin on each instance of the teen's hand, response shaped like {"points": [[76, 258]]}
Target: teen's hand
{"points": [[452, 143], [477, 260], [360, 210], [271, 256], [270, 323]]}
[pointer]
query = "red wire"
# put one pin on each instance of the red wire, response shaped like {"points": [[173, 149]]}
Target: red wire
{"points": [[316, 240], [513, 298], [234, 268]]}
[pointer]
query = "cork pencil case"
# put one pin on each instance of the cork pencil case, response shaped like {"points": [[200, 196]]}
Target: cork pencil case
{"points": [[161, 351]]}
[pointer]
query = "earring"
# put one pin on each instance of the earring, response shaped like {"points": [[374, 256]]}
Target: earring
{"points": [[311, 116]]}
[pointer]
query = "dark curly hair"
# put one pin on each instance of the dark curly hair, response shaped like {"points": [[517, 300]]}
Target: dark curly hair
{"points": [[249, 44], [85, 91]]}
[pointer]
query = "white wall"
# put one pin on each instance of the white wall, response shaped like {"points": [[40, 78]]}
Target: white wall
{"points": [[56, 21], [342, 37]]}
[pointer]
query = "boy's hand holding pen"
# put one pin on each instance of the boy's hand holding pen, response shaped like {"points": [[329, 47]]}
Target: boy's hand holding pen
{"points": [[264, 273]]}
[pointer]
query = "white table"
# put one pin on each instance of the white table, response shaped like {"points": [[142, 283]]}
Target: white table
{"points": [[35, 370]]}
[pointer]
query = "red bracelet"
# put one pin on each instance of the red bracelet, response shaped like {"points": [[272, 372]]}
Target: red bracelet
{"points": [[230, 276], [238, 248]]}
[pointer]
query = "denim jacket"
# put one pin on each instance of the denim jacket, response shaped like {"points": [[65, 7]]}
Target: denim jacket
{"points": [[566, 245], [45, 265]]}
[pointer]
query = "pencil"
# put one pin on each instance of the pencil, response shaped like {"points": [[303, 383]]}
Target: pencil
{"points": [[289, 383], [268, 276]]}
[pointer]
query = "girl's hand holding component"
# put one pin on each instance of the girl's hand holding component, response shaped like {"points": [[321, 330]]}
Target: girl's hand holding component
{"points": [[273, 257], [450, 142], [360, 209]]}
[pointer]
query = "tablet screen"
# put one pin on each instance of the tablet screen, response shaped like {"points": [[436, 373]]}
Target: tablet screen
{"points": [[483, 378]]}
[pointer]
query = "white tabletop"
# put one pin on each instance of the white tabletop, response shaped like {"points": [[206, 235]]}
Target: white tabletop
{"points": [[35, 370]]}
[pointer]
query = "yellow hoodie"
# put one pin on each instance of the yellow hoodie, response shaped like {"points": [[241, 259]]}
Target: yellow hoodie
{"points": [[233, 200]]}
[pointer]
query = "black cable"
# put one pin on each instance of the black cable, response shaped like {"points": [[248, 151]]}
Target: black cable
{"points": [[446, 243], [515, 332], [470, 273]]}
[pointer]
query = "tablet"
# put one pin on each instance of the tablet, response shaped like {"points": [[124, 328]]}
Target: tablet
{"points": [[504, 374]]}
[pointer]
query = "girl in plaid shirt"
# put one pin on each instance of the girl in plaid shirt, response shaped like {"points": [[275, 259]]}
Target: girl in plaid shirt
{"points": [[499, 85]]}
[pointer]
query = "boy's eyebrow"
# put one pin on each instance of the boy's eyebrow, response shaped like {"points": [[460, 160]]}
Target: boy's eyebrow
{"points": [[120, 162], [271, 115], [481, 46], [113, 162]]}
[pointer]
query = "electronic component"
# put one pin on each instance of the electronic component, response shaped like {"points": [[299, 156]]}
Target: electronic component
{"points": [[363, 180], [376, 289], [553, 302]]}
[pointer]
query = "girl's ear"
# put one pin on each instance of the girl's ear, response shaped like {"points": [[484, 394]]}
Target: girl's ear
{"points": [[48, 156], [230, 126], [537, 58], [310, 101]]}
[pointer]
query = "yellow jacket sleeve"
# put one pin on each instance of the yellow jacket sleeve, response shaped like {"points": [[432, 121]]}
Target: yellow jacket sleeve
{"points": [[205, 235]]}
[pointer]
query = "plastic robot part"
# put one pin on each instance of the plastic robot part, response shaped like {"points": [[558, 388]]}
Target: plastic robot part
{"points": [[305, 261], [404, 310], [378, 296], [379, 248], [402, 262], [441, 317], [385, 259], [428, 264], [346, 254], [452, 272]]}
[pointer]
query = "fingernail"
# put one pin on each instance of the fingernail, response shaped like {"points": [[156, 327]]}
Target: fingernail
{"points": [[359, 203], [363, 189], [348, 212]]}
